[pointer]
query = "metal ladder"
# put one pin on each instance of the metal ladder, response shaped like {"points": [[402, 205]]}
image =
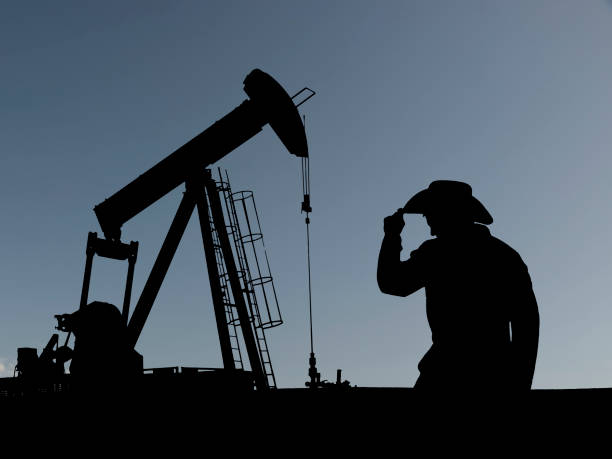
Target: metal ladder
{"points": [[229, 306], [233, 228]]}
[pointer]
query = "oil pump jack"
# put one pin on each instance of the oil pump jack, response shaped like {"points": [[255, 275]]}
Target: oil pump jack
{"points": [[93, 323]]}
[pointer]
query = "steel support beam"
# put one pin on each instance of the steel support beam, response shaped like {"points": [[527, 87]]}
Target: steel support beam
{"points": [[197, 188], [127, 298], [160, 268]]}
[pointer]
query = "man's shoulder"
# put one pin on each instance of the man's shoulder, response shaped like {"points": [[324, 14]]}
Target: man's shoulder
{"points": [[503, 249]]}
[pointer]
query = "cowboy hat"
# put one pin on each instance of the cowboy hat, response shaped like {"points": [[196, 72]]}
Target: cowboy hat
{"points": [[448, 194]]}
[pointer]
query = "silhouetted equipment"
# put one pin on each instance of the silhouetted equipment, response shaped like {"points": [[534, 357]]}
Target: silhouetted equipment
{"points": [[313, 373], [232, 286], [268, 103], [297, 94], [244, 298], [110, 249], [27, 361], [50, 363], [100, 342], [100, 338], [255, 276]]}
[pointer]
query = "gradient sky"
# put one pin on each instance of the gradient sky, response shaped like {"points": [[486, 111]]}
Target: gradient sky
{"points": [[511, 97]]}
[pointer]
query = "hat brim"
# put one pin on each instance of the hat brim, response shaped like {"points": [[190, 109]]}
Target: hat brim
{"points": [[422, 203]]}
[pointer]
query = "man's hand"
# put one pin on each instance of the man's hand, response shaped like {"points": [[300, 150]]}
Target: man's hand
{"points": [[395, 223]]}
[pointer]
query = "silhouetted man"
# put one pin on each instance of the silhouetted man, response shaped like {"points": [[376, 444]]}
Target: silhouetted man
{"points": [[480, 304]]}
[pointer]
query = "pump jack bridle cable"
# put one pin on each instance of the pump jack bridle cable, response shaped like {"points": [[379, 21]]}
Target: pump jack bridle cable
{"points": [[315, 376], [305, 172], [307, 208]]}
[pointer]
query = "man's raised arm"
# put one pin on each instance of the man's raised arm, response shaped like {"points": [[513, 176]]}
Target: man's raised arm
{"points": [[396, 277]]}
